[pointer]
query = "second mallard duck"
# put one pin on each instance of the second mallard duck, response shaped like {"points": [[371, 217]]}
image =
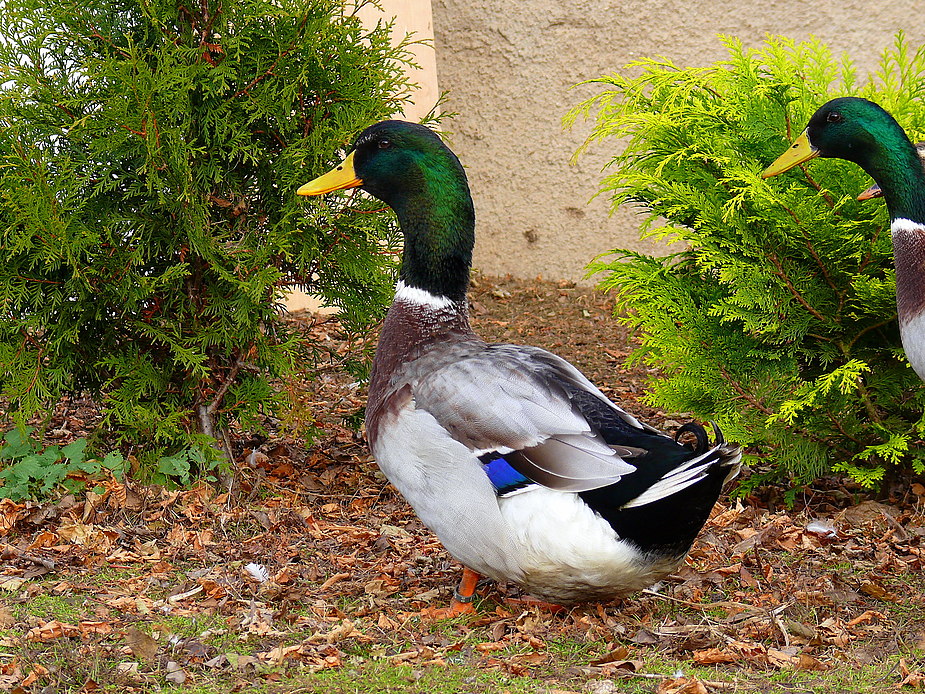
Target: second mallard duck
{"points": [[862, 132], [875, 192], [520, 465]]}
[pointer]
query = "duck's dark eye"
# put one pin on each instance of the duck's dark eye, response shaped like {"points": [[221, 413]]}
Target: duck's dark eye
{"points": [[385, 144], [834, 117]]}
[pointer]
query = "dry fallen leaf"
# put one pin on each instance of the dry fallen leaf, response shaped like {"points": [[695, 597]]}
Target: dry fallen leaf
{"points": [[622, 666], [175, 673], [807, 662], [143, 646], [644, 636], [618, 653], [11, 583], [52, 629], [218, 661], [6, 618], [877, 591], [872, 512], [866, 617], [911, 678], [681, 685], [786, 657], [712, 656], [127, 669], [240, 662], [37, 673]]}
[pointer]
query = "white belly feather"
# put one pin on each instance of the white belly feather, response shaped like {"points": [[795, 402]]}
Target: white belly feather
{"points": [[450, 493], [547, 541], [568, 552], [913, 337]]}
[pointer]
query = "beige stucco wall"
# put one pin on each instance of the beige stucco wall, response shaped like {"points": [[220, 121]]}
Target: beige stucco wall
{"points": [[508, 68]]}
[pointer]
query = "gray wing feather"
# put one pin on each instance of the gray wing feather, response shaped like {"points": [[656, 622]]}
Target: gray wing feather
{"points": [[505, 398], [562, 462]]}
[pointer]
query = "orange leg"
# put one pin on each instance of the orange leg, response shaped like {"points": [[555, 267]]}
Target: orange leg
{"points": [[465, 592], [462, 598]]}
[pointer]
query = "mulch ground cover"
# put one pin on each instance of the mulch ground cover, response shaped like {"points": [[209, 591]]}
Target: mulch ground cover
{"points": [[311, 562]]}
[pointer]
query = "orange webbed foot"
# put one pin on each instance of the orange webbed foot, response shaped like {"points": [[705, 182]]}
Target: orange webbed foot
{"points": [[456, 609], [461, 604]]}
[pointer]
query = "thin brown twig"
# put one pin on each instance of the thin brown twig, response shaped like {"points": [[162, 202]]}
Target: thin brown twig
{"points": [[225, 385], [869, 406], [825, 272], [259, 78], [744, 394], [47, 563], [812, 182], [841, 429], [793, 290], [866, 330], [33, 279], [812, 252]]}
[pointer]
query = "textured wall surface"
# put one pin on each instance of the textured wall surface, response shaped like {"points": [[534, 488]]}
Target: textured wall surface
{"points": [[509, 68]]}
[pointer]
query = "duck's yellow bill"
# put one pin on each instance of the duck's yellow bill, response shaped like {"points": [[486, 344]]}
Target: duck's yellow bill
{"points": [[339, 178], [797, 153]]}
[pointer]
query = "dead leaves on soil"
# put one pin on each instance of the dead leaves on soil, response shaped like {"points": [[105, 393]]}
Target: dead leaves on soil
{"points": [[761, 591], [315, 563]]}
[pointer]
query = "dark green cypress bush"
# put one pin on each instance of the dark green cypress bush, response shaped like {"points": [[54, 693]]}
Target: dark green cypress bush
{"points": [[777, 315], [148, 219]]}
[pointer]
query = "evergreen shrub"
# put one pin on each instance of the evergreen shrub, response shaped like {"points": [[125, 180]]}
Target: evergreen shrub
{"points": [[777, 316], [149, 158]]}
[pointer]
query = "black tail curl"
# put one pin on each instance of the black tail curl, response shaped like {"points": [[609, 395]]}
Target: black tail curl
{"points": [[703, 441]]}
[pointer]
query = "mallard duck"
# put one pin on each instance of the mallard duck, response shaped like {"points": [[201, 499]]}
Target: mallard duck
{"points": [[862, 132], [525, 471], [875, 192]]}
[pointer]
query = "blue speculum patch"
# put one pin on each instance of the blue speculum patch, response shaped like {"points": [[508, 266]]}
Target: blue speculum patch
{"points": [[503, 477]]}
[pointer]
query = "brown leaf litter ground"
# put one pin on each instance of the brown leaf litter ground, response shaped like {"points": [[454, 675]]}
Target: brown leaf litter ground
{"points": [[311, 575]]}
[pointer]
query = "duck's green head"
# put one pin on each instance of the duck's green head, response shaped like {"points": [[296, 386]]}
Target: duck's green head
{"points": [[408, 167], [862, 132]]}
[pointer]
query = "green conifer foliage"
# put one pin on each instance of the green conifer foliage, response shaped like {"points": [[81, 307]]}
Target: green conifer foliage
{"points": [[149, 157], [777, 317]]}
